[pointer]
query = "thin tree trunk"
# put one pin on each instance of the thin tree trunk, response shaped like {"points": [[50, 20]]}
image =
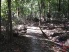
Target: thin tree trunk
{"points": [[44, 15], [59, 6], [68, 9], [31, 13], [0, 18], [40, 13], [17, 12], [9, 18], [49, 7]]}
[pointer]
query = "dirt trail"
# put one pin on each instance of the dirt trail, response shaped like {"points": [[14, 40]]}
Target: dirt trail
{"points": [[32, 41]]}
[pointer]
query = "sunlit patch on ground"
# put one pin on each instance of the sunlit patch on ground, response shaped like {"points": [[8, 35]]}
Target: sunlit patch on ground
{"points": [[30, 36], [33, 30], [27, 35]]}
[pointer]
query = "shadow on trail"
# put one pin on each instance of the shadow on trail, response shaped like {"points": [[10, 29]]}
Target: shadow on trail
{"points": [[24, 44], [19, 44]]}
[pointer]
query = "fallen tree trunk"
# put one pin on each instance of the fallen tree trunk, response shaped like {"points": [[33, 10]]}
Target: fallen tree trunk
{"points": [[43, 33]]}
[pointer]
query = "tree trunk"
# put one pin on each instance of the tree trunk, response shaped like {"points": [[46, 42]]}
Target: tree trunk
{"points": [[31, 16], [68, 9], [44, 15], [39, 13], [9, 19], [59, 5], [59, 8], [0, 18], [17, 12]]}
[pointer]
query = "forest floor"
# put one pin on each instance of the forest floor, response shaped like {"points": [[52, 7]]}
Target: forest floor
{"points": [[32, 41]]}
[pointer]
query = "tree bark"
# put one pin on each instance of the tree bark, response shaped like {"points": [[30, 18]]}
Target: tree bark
{"points": [[39, 4], [68, 9], [59, 5], [0, 18], [9, 19], [59, 8]]}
